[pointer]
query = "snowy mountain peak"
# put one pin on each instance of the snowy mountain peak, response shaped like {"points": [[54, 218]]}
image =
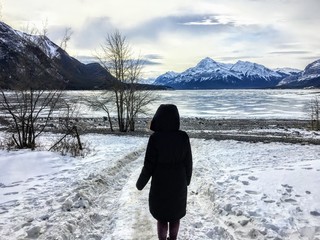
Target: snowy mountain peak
{"points": [[314, 66], [312, 71], [21, 40], [171, 74], [245, 66], [207, 63], [165, 78], [287, 71], [253, 69]]}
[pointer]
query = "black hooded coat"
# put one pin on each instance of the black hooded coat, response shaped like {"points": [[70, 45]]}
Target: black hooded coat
{"points": [[168, 161]]}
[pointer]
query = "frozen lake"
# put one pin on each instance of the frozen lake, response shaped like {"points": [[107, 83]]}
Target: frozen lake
{"points": [[286, 104]]}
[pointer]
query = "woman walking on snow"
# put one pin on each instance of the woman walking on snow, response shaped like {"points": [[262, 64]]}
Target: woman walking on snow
{"points": [[168, 161]]}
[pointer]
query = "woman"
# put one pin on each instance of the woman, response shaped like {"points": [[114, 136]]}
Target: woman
{"points": [[168, 161]]}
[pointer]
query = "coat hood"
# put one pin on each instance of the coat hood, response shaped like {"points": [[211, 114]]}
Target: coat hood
{"points": [[166, 119]]}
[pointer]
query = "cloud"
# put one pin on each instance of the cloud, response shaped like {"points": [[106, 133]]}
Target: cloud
{"points": [[153, 56], [289, 52], [150, 62], [238, 57], [93, 33], [311, 58], [187, 24], [152, 59], [87, 59], [203, 22]]}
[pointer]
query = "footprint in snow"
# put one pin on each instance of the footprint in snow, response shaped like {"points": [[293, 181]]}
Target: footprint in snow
{"points": [[286, 186], [12, 203], [235, 178], [197, 225], [17, 182], [11, 185], [315, 213], [278, 168], [40, 176], [3, 211], [251, 192], [307, 168], [244, 174], [253, 178], [246, 183], [290, 200], [11, 193]]}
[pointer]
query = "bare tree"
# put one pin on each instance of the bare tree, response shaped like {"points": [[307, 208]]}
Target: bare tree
{"points": [[116, 57], [115, 54], [31, 97], [315, 114]]}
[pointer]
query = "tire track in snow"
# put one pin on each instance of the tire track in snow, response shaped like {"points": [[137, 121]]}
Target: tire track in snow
{"points": [[130, 218], [91, 209], [118, 195]]}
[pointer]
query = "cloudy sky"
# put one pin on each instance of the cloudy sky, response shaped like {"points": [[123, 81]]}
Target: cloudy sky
{"points": [[174, 35]]}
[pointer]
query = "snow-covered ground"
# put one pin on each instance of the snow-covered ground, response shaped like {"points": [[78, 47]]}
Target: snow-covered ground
{"points": [[239, 190]]}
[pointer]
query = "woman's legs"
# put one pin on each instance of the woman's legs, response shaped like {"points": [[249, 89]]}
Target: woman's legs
{"points": [[162, 230], [174, 229]]}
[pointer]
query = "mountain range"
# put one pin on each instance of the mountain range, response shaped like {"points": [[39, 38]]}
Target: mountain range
{"points": [[19, 51], [209, 74]]}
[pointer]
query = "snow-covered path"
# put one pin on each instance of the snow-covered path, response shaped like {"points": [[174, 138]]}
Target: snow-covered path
{"points": [[227, 198], [131, 218], [239, 190]]}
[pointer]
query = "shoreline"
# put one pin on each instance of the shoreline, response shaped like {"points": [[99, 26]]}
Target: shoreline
{"points": [[295, 131], [248, 130]]}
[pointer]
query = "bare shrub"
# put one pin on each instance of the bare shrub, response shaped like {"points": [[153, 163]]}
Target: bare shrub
{"points": [[7, 143], [70, 142], [70, 146]]}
